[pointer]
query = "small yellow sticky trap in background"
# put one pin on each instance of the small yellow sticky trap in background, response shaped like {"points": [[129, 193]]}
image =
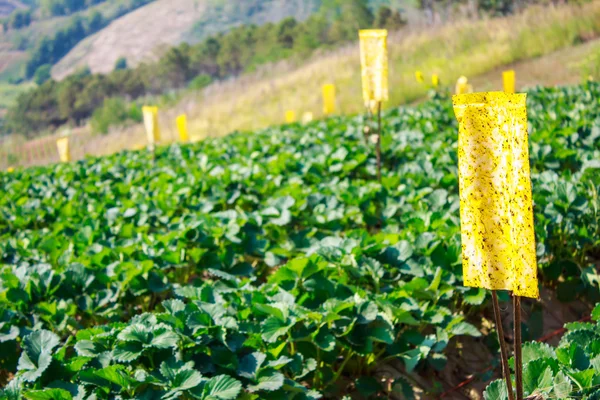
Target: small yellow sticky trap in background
{"points": [[64, 152], [328, 99], [462, 86], [307, 117], [290, 117], [509, 81], [151, 124], [10, 169], [419, 77], [496, 214], [374, 65], [435, 80], [182, 128]]}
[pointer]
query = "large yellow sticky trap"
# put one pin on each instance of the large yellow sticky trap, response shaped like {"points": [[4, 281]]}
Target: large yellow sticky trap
{"points": [[151, 124], [290, 117], [329, 99], [64, 152], [182, 128], [509, 81], [374, 65], [498, 242]]}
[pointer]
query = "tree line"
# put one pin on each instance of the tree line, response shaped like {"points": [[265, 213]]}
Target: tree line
{"points": [[80, 96], [23, 17]]}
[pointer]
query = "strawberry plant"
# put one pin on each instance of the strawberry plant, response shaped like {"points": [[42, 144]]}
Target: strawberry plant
{"points": [[571, 370]]}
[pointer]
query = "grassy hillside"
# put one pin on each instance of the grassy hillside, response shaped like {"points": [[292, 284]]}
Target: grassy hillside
{"points": [[173, 22]]}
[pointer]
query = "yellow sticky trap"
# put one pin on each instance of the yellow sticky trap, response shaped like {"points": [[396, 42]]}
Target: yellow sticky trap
{"points": [[329, 99], [151, 124], [496, 215], [374, 65], [64, 152], [307, 117], [419, 77], [10, 169], [290, 117], [182, 128], [435, 80], [509, 81], [462, 86]]}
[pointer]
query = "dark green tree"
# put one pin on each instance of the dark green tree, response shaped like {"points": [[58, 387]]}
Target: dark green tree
{"points": [[42, 74], [121, 63]]}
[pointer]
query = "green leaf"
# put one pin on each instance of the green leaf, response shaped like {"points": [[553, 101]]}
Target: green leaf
{"points": [[535, 350], [163, 338], [537, 377], [464, 328], [278, 311], [367, 386], [496, 391], [273, 328], [186, 379], [474, 296], [324, 339], [382, 333], [573, 356], [37, 354], [48, 394], [367, 312], [437, 279], [114, 374], [583, 379], [127, 352], [270, 381], [411, 358], [562, 386], [596, 313], [222, 387], [251, 364]]}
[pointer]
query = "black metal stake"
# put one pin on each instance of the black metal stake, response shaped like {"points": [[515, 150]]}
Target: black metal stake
{"points": [[378, 141], [503, 352], [518, 357]]}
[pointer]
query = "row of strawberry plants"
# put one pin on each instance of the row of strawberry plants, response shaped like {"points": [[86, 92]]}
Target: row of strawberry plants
{"points": [[103, 240]]}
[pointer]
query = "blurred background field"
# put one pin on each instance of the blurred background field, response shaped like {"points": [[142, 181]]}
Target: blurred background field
{"points": [[95, 90]]}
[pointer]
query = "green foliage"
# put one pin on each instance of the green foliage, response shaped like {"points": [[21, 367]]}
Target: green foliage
{"points": [[121, 63], [114, 110], [572, 370], [18, 19], [201, 81], [274, 265], [65, 7], [42, 74]]}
